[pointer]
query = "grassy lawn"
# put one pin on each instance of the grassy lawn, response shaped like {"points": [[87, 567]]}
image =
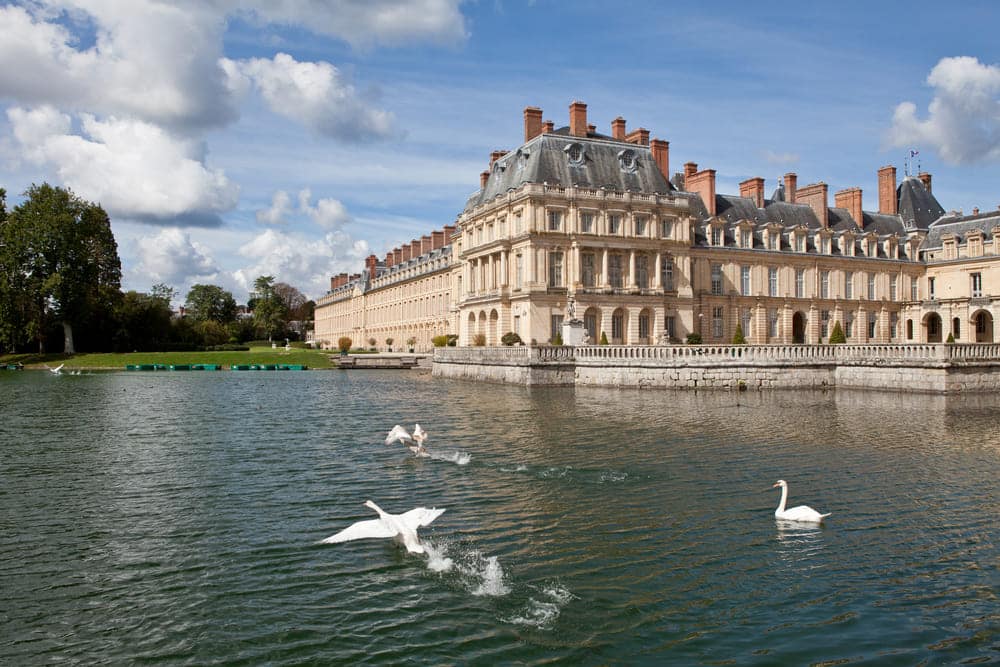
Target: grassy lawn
{"points": [[256, 355]]}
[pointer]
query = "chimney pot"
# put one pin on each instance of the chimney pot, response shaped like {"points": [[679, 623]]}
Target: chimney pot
{"points": [[532, 123], [690, 169], [618, 128], [791, 186], [578, 119], [638, 136], [548, 126]]}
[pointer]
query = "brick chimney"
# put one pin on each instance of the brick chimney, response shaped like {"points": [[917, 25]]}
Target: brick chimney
{"points": [[449, 230], [925, 178], [851, 200], [532, 123], [425, 244], [397, 255], [548, 126], [753, 189], [618, 128], [496, 155], [702, 182], [414, 248], [437, 240], [638, 136], [484, 178], [388, 258], [661, 156], [371, 264], [791, 183], [815, 197], [578, 119], [404, 253], [887, 190]]}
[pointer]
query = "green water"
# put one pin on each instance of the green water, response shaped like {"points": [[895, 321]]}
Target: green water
{"points": [[175, 519]]}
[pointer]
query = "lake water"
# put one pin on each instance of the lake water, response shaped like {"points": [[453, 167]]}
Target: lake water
{"points": [[174, 518]]}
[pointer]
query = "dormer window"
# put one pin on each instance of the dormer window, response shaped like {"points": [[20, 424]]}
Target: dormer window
{"points": [[575, 154], [627, 160], [521, 158], [746, 238], [716, 236]]}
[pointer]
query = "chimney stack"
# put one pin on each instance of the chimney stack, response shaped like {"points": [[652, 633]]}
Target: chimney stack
{"points": [[414, 248], [388, 258], [815, 196], [405, 252], [753, 189], [618, 128], [532, 123], [887, 190], [548, 126], [371, 264], [449, 230], [638, 136], [925, 178], [578, 119], [437, 240], [791, 183], [425, 244], [483, 178], [851, 200], [496, 155], [702, 182], [661, 156]]}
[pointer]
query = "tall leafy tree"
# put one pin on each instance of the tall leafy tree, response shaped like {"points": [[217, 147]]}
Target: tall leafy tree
{"points": [[64, 261], [268, 309], [211, 303]]}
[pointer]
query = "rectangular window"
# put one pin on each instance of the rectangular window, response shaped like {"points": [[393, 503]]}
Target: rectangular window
{"points": [[745, 281], [716, 279], [617, 328], [555, 269], [800, 283], [586, 223], [587, 269], [489, 232], [557, 321], [640, 225], [667, 272], [893, 325], [977, 284], [824, 284], [824, 245], [669, 326], [772, 323], [644, 326], [716, 236], [518, 271], [745, 322], [746, 239], [892, 288], [872, 321], [590, 324], [717, 327], [555, 221], [615, 270], [824, 323], [666, 228], [849, 285], [871, 286], [772, 281], [772, 241], [518, 227], [800, 243], [517, 324], [614, 224], [848, 325], [913, 289], [641, 271], [930, 288]]}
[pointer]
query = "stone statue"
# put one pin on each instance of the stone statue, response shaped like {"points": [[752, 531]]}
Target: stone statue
{"points": [[571, 308]]}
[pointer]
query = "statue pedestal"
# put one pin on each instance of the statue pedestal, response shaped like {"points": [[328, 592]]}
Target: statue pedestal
{"points": [[573, 332]]}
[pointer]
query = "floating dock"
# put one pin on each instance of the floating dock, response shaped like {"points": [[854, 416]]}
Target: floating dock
{"points": [[376, 362], [215, 367]]}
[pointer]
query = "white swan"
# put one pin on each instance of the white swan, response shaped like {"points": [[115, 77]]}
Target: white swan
{"points": [[802, 513], [403, 527], [414, 442], [57, 370]]}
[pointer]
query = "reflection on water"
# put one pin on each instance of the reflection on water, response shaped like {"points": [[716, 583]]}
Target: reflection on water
{"points": [[174, 518]]}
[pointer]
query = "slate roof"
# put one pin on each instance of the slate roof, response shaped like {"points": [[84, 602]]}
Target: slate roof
{"points": [[548, 158], [917, 207], [961, 227]]}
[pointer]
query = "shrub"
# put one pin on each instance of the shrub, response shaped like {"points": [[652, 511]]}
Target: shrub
{"points": [[694, 339], [951, 338], [440, 341], [604, 338], [557, 340], [738, 337], [344, 343], [452, 340], [479, 339], [388, 341], [510, 338], [411, 341], [227, 347], [837, 336]]}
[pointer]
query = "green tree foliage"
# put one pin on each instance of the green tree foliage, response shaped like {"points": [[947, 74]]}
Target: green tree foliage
{"points": [[951, 338], [837, 336], [62, 266], [210, 303], [694, 339], [143, 323], [738, 337], [510, 338], [604, 339], [269, 312]]}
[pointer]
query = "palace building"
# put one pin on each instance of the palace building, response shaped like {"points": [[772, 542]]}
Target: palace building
{"points": [[579, 224]]}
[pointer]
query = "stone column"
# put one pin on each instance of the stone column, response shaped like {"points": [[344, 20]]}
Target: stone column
{"points": [[759, 325], [504, 281], [604, 269], [631, 269], [631, 333], [657, 274]]}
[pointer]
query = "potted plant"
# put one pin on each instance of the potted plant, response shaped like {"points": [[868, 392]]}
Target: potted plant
{"points": [[411, 341], [388, 343], [344, 344], [371, 344]]}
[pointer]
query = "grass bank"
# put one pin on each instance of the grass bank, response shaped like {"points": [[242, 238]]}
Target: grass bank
{"points": [[256, 355]]}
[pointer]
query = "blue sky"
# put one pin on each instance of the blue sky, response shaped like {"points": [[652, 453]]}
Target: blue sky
{"points": [[234, 138]]}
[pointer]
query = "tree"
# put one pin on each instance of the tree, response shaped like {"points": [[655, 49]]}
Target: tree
{"points": [[143, 322], [738, 337], [165, 292], [837, 336], [210, 303], [268, 310], [62, 263]]}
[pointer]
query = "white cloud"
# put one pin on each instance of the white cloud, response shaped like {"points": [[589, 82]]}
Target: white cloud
{"points": [[134, 169], [963, 119], [173, 258], [313, 94], [372, 21], [304, 263], [327, 213], [279, 210]]}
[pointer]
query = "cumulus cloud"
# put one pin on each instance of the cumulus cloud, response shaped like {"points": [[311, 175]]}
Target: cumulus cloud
{"points": [[305, 263], [963, 119], [311, 93], [327, 213], [173, 258], [277, 213], [134, 169]]}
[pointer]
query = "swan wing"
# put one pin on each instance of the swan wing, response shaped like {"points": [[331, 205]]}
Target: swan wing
{"points": [[397, 433], [803, 513], [420, 516], [362, 530], [419, 433]]}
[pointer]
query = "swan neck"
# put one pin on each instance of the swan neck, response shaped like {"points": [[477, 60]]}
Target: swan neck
{"points": [[784, 498]]}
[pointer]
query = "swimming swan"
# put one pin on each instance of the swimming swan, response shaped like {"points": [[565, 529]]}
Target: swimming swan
{"points": [[403, 527], [802, 513]]}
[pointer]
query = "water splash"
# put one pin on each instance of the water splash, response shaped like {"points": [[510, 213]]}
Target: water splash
{"points": [[613, 476], [492, 579], [437, 561], [542, 611], [458, 458]]}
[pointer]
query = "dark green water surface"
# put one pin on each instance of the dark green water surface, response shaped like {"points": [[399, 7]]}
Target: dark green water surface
{"points": [[174, 518]]}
